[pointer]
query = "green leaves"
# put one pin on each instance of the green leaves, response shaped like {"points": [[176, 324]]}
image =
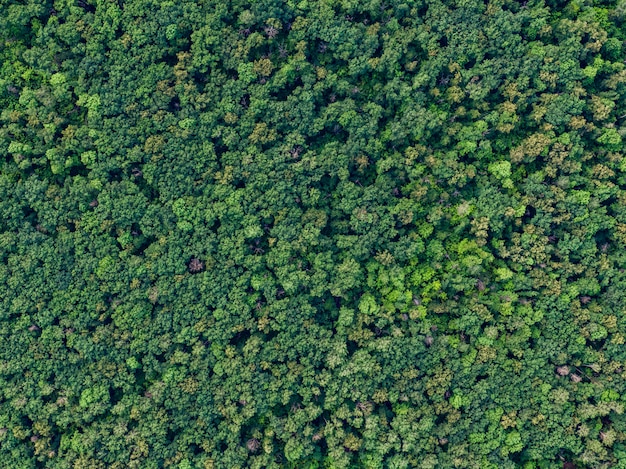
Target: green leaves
{"points": [[611, 138], [246, 73], [341, 234], [368, 305]]}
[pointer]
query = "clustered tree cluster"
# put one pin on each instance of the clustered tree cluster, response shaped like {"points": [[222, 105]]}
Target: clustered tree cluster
{"points": [[312, 234]]}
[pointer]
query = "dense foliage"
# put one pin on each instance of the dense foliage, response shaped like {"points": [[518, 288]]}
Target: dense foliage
{"points": [[316, 233]]}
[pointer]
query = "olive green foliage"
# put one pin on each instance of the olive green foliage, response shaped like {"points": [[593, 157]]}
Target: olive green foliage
{"points": [[312, 234]]}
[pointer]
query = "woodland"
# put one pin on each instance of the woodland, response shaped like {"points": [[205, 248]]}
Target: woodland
{"points": [[312, 234]]}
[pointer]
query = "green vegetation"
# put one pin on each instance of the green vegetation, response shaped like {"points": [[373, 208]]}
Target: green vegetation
{"points": [[312, 234]]}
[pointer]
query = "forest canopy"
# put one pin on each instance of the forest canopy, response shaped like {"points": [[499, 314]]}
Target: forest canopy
{"points": [[312, 234]]}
